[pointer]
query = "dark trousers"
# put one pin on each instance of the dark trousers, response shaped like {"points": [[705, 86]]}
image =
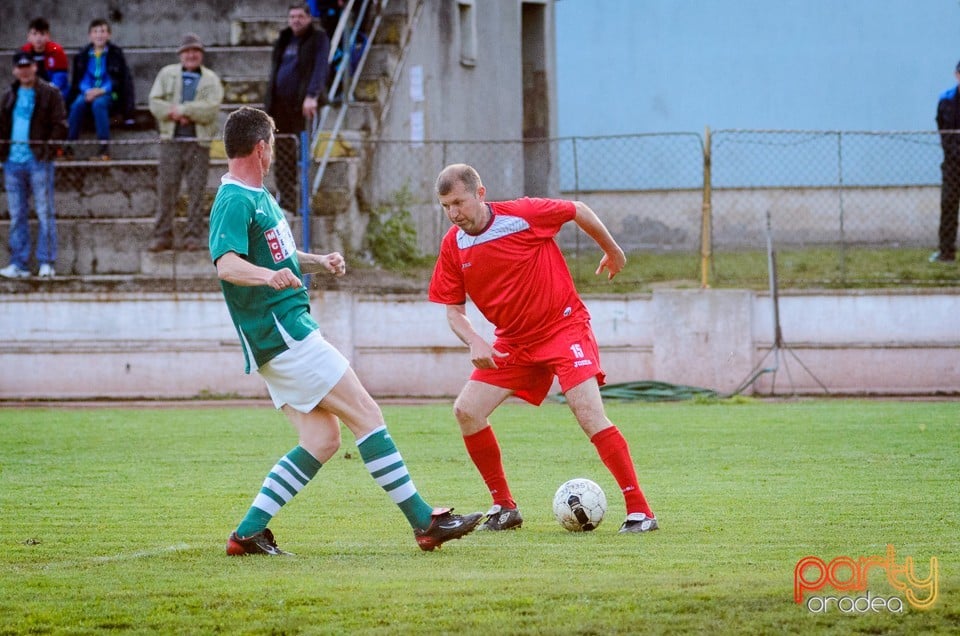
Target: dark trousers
{"points": [[179, 159], [287, 154], [949, 207]]}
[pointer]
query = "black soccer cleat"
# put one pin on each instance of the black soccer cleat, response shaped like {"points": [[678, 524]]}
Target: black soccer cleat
{"points": [[500, 518], [444, 526], [639, 522], [257, 543]]}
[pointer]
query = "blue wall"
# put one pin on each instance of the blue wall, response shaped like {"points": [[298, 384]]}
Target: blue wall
{"points": [[637, 66]]}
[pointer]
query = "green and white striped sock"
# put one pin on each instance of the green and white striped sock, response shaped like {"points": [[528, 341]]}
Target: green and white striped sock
{"points": [[383, 461], [285, 480]]}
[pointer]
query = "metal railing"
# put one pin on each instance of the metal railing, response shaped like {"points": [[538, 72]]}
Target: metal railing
{"points": [[345, 76]]}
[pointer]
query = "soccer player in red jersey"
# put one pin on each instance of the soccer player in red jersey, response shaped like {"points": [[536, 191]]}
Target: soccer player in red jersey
{"points": [[504, 257]]}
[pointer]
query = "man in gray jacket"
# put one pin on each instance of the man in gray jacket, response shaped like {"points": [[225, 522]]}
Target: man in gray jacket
{"points": [[185, 100]]}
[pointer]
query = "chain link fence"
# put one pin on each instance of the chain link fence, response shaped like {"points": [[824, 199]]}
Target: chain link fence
{"points": [[844, 208]]}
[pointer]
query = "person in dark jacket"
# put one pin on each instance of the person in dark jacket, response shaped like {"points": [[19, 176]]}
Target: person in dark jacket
{"points": [[100, 85], [298, 79], [31, 116], [948, 119]]}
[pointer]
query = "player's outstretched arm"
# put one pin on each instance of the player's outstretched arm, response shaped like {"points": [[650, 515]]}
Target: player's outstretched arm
{"points": [[235, 269], [613, 259]]}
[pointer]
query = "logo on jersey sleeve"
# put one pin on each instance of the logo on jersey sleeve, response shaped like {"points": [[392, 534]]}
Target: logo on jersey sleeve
{"points": [[280, 241]]}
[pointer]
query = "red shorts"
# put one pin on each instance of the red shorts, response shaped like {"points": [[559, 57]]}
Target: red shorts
{"points": [[571, 355]]}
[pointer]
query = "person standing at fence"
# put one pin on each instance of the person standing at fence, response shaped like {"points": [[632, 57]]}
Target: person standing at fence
{"points": [[101, 85], [260, 268], [504, 257], [185, 100], [948, 119], [298, 79], [52, 63], [32, 115]]}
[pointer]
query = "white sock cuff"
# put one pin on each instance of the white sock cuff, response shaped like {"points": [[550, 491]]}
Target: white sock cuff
{"points": [[361, 440]]}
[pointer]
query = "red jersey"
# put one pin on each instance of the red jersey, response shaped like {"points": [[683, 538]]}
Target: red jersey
{"points": [[52, 59], [513, 271]]}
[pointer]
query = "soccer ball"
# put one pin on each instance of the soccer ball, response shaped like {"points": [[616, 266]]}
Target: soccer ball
{"points": [[579, 505]]}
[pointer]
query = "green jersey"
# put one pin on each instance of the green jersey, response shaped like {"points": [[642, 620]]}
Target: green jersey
{"points": [[248, 221]]}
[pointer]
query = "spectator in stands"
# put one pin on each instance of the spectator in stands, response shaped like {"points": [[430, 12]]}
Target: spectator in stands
{"points": [[52, 63], [185, 100], [32, 114], [329, 12], [948, 119], [101, 85], [298, 77]]}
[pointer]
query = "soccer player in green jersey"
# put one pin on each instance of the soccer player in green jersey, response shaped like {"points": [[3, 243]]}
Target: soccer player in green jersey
{"points": [[260, 270]]}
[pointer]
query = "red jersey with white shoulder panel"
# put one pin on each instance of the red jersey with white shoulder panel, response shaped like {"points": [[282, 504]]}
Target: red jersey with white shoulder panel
{"points": [[514, 271]]}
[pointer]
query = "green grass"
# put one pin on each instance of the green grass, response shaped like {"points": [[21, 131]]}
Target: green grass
{"points": [[114, 520]]}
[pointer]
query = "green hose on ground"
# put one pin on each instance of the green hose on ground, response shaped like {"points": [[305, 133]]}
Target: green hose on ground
{"points": [[650, 391]]}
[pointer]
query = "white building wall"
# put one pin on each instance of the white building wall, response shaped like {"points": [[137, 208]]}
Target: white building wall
{"points": [[78, 346]]}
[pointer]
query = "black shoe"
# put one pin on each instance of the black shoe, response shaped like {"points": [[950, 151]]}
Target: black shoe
{"points": [[444, 526], [500, 518], [257, 543], [639, 522]]}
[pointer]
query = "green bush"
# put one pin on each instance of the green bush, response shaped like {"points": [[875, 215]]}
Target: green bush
{"points": [[391, 238]]}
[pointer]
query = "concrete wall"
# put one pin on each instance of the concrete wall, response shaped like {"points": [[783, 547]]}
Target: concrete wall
{"points": [[438, 97], [134, 23], [146, 345], [671, 219]]}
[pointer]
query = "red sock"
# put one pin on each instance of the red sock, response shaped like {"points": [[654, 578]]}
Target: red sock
{"points": [[615, 454], [485, 453]]}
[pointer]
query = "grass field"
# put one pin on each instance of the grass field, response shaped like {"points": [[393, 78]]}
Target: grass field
{"points": [[114, 520]]}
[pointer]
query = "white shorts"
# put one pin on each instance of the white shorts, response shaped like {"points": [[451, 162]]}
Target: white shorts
{"points": [[302, 375]]}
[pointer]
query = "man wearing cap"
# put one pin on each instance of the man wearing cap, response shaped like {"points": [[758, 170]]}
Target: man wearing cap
{"points": [[185, 100], [948, 119], [32, 115]]}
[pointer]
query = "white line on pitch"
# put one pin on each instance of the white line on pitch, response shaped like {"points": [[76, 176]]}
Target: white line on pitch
{"points": [[140, 554]]}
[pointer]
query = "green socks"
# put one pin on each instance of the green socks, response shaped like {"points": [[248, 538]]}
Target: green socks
{"points": [[383, 461], [285, 480], [298, 467]]}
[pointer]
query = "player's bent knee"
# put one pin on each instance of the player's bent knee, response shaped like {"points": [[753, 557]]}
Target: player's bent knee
{"points": [[323, 448], [469, 421]]}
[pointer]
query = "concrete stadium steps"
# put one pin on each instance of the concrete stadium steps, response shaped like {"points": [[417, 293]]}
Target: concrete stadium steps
{"points": [[253, 30], [105, 210], [117, 188], [93, 247], [226, 61]]}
